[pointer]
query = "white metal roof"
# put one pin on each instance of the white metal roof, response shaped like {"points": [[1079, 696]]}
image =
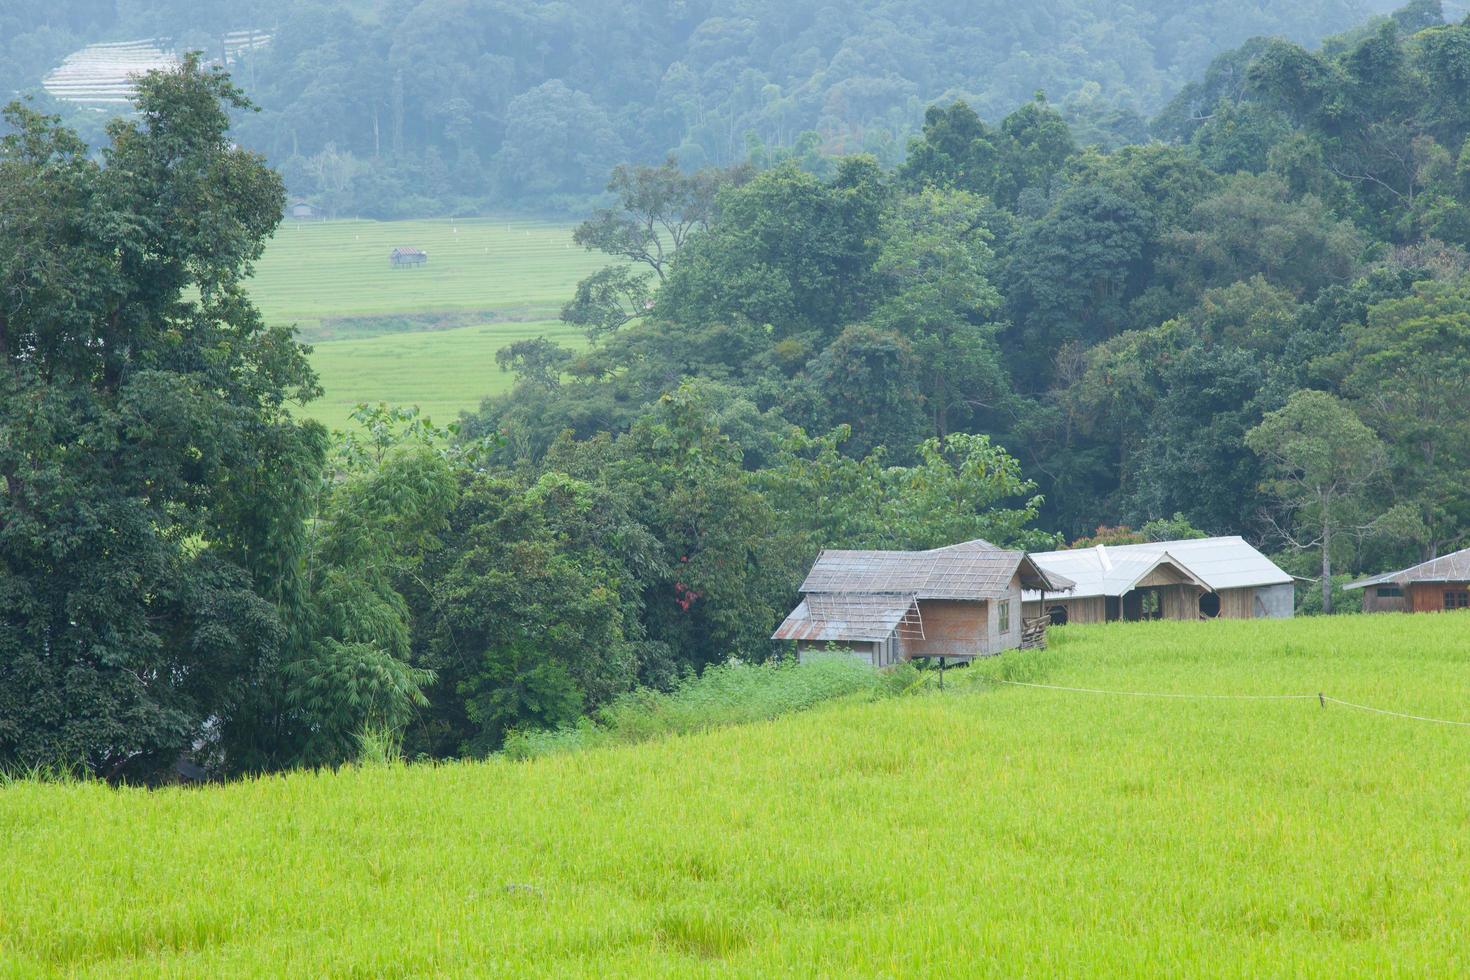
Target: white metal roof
{"points": [[1112, 570]]}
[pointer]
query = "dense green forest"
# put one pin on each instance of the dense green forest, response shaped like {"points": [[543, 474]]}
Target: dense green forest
{"points": [[1125, 322], [408, 109], [1260, 325]]}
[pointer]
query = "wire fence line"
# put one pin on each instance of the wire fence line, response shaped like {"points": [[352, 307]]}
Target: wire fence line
{"points": [[1320, 697], [1161, 694], [1395, 714]]}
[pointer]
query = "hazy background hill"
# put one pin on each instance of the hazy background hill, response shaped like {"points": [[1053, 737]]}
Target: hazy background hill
{"points": [[413, 108]]}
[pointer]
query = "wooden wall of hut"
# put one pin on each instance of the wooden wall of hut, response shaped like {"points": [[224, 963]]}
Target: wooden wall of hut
{"points": [[1237, 603], [1178, 602], [1088, 609], [951, 629], [1374, 599], [1430, 596]]}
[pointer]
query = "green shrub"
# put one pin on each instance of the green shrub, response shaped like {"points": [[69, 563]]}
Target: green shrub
{"points": [[726, 694]]}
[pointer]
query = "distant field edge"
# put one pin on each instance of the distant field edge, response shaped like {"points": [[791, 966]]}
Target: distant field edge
{"points": [[355, 327]]}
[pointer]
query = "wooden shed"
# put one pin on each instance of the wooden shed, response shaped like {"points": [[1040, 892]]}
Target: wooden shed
{"points": [[959, 602], [302, 211], [1203, 578], [405, 257], [1439, 585]]}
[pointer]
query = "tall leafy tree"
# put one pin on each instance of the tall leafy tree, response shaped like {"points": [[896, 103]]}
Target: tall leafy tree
{"points": [[657, 209], [790, 251], [1410, 373], [535, 609], [153, 485], [936, 264], [1072, 274], [956, 149], [868, 379], [1322, 460]]}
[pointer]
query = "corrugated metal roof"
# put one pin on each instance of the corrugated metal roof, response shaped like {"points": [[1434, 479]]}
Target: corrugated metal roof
{"points": [[1112, 570], [832, 618], [972, 570], [1453, 567]]}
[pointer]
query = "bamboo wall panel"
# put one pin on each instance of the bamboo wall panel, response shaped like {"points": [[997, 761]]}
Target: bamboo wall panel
{"points": [[1181, 602], [1090, 609], [1163, 575], [1237, 603]]}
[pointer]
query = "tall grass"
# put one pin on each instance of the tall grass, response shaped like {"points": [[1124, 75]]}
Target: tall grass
{"points": [[725, 694], [988, 831]]}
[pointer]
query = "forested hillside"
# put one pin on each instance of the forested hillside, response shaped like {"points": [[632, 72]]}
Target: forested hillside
{"points": [[408, 109], [1260, 326]]}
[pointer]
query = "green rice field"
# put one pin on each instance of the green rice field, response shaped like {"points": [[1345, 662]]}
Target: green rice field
{"points": [[417, 336], [503, 268], [443, 372], [986, 830]]}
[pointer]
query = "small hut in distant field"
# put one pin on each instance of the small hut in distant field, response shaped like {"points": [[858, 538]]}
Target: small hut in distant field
{"points": [[303, 211], [1439, 585], [405, 257]]}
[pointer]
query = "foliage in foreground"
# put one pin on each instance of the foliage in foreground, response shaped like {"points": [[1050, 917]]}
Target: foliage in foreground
{"points": [[1100, 836], [725, 694]]}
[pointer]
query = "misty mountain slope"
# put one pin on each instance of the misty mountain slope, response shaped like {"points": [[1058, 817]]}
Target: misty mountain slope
{"points": [[403, 106]]}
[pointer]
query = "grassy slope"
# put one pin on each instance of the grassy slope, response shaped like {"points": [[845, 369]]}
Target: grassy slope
{"points": [[1005, 830], [516, 272]]}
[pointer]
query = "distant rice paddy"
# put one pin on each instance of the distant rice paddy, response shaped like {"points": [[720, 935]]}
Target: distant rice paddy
{"points": [[443, 372], [422, 336], [504, 268]]}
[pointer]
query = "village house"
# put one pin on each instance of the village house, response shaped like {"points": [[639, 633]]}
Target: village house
{"points": [[1439, 585], [1203, 578], [959, 602]]}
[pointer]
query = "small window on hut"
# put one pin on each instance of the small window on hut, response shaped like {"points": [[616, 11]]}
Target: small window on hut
{"points": [[1457, 600], [1004, 615], [1390, 592]]}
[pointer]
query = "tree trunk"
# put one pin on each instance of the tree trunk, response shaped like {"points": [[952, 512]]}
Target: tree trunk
{"points": [[1326, 561]]}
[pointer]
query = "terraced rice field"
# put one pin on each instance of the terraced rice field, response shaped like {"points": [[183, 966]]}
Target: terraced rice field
{"points": [[379, 333], [988, 830]]}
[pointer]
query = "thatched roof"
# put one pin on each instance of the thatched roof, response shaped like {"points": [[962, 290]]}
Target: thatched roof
{"points": [[1454, 567], [832, 618], [868, 596], [973, 570]]}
